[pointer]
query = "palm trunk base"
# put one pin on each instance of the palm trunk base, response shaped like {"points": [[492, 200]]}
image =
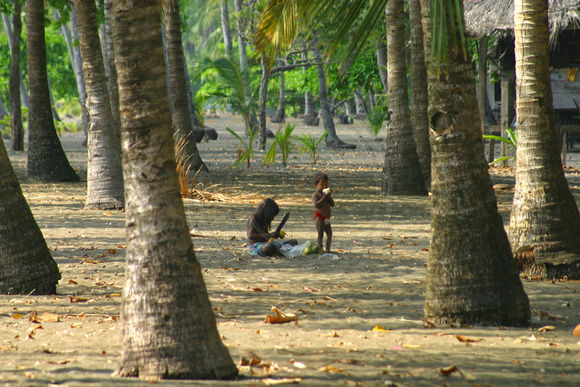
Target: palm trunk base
{"points": [[528, 266], [45, 288], [335, 142], [311, 120], [105, 204]]}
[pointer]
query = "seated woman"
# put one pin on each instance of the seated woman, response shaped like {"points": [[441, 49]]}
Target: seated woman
{"points": [[259, 234]]}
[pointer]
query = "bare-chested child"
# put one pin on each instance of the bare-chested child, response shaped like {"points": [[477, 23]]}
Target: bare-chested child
{"points": [[322, 200], [259, 234]]}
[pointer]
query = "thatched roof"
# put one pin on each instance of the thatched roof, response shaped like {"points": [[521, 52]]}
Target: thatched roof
{"points": [[496, 17]]}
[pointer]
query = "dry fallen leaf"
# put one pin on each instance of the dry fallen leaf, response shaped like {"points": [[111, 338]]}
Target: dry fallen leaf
{"points": [[576, 331], [280, 317], [112, 251], [448, 370], [379, 328], [279, 382], [74, 299], [48, 317], [465, 339], [547, 328]]}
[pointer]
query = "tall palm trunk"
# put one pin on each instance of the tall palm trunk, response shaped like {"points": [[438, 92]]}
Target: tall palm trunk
{"points": [[471, 274], [280, 115], [46, 158], [16, 128], [382, 62], [262, 100], [110, 64], [419, 96], [23, 91], [331, 140], [168, 325], [26, 265], [105, 171], [544, 222], [180, 114], [401, 171], [226, 30]]}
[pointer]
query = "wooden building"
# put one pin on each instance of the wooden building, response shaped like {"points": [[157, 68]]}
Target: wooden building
{"points": [[492, 22]]}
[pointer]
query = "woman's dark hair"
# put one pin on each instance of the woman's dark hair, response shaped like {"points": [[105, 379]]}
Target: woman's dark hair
{"points": [[265, 213], [319, 176]]}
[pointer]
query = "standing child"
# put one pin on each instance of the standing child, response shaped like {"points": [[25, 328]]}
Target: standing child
{"points": [[322, 200], [259, 234]]}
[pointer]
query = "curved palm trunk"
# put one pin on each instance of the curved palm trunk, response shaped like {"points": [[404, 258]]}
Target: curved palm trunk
{"points": [[544, 222], [16, 128], [26, 265], [46, 158], [419, 97], [105, 171], [471, 275], [401, 171], [169, 329], [180, 114], [331, 140]]}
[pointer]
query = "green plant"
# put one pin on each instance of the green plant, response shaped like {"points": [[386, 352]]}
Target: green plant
{"points": [[246, 151], [310, 143], [282, 140], [511, 140]]}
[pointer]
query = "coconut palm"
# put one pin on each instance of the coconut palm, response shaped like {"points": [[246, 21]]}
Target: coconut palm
{"points": [[105, 171], [471, 274], [180, 113], [16, 128], [168, 325], [544, 221], [27, 267], [401, 169], [46, 158]]}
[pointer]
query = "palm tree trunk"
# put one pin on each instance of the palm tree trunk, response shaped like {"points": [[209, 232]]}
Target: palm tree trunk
{"points": [[471, 274], [310, 113], [262, 101], [226, 30], [401, 170], [23, 92], [168, 325], [419, 97], [110, 64], [544, 222], [331, 140], [16, 128], [382, 62], [280, 115], [46, 158], [80, 78], [27, 265], [105, 171], [181, 117]]}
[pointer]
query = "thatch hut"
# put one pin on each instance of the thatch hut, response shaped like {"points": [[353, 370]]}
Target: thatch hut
{"points": [[495, 18]]}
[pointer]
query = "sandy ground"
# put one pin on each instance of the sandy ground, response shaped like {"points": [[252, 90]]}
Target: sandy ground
{"points": [[375, 279]]}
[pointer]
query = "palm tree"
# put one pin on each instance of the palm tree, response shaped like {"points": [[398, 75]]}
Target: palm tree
{"points": [[27, 267], [180, 113], [472, 276], [17, 130], [105, 171], [168, 326], [226, 30], [46, 158], [401, 170], [544, 222], [419, 96]]}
